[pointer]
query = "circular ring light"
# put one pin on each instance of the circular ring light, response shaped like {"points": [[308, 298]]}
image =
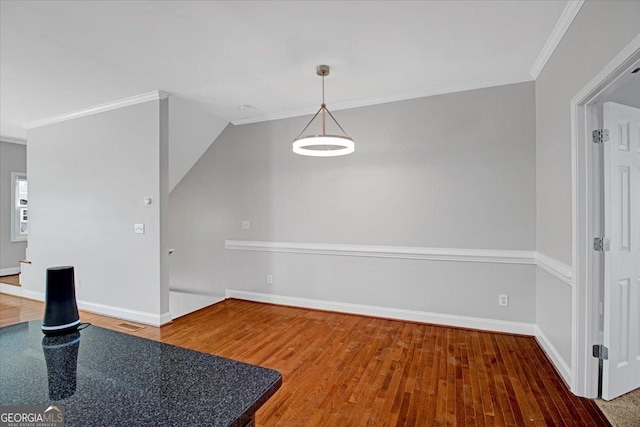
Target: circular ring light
{"points": [[323, 146]]}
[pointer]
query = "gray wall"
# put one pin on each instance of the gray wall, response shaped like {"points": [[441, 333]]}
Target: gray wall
{"points": [[87, 183], [600, 30], [628, 93], [13, 158], [453, 171]]}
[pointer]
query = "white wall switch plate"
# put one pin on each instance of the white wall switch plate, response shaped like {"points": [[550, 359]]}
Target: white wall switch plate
{"points": [[246, 225], [138, 228], [269, 279]]}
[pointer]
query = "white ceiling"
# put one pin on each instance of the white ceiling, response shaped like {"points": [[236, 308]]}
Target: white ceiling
{"points": [[61, 56]]}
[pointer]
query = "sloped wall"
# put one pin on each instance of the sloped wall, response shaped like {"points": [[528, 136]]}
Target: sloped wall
{"points": [[192, 129]]}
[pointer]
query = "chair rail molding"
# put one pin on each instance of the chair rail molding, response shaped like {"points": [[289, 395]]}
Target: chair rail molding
{"points": [[401, 252], [559, 269]]}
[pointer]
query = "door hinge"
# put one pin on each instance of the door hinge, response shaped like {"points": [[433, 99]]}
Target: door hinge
{"points": [[600, 352], [601, 244], [600, 136]]}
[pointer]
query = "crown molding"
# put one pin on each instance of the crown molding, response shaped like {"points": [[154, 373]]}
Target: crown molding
{"points": [[13, 140], [401, 96], [566, 18], [124, 102]]}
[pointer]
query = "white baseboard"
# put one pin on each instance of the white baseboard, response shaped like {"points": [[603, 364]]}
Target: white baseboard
{"points": [[38, 296], [165, 318], [389, 313], [111, 311], [16, 291], [126, 314], [554, 355], [9, 271]]}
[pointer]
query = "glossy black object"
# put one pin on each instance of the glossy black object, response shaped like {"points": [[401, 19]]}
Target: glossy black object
{"points": [[61, 310]]}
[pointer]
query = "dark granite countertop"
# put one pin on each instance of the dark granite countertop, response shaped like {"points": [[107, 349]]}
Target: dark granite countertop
{"points": [[108, 378]]}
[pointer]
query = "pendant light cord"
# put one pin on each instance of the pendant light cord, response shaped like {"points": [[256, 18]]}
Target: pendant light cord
{"points": [[324, 108]]}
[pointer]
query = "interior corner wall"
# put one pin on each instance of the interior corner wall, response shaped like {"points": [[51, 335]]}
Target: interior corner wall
{"points": [[88, 178], [599, 31], [13, 158], [448, 171]]}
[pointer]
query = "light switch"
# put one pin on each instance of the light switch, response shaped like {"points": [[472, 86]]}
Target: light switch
{"points": [[138, 228], [246, 225]]}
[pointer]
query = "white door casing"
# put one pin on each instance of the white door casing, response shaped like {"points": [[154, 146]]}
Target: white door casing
{"points": [[621, 371]]}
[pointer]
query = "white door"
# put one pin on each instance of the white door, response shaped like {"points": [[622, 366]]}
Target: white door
{"points": [[621, 371]]}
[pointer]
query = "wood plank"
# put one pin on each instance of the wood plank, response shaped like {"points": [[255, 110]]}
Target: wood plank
{"points": [[347, 370]]}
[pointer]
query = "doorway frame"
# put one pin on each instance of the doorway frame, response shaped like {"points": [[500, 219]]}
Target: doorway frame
{"points": [[584, 118]]}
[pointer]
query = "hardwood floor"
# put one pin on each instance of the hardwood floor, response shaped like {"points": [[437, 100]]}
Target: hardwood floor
{"points": [[347, 370]]}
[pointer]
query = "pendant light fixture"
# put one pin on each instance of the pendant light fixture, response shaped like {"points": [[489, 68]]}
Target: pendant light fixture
{"points": [[323, 145]]}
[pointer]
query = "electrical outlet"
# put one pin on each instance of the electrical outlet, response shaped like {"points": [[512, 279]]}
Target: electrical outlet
{"points": [[269, 279], [138, 228], [246, 224], [78, 284], [503, 300]]}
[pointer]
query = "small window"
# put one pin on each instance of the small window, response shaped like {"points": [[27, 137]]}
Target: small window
{"points": [[19, 207]]}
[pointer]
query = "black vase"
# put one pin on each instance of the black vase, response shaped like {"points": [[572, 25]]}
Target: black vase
{"points": [[61, 311]]}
